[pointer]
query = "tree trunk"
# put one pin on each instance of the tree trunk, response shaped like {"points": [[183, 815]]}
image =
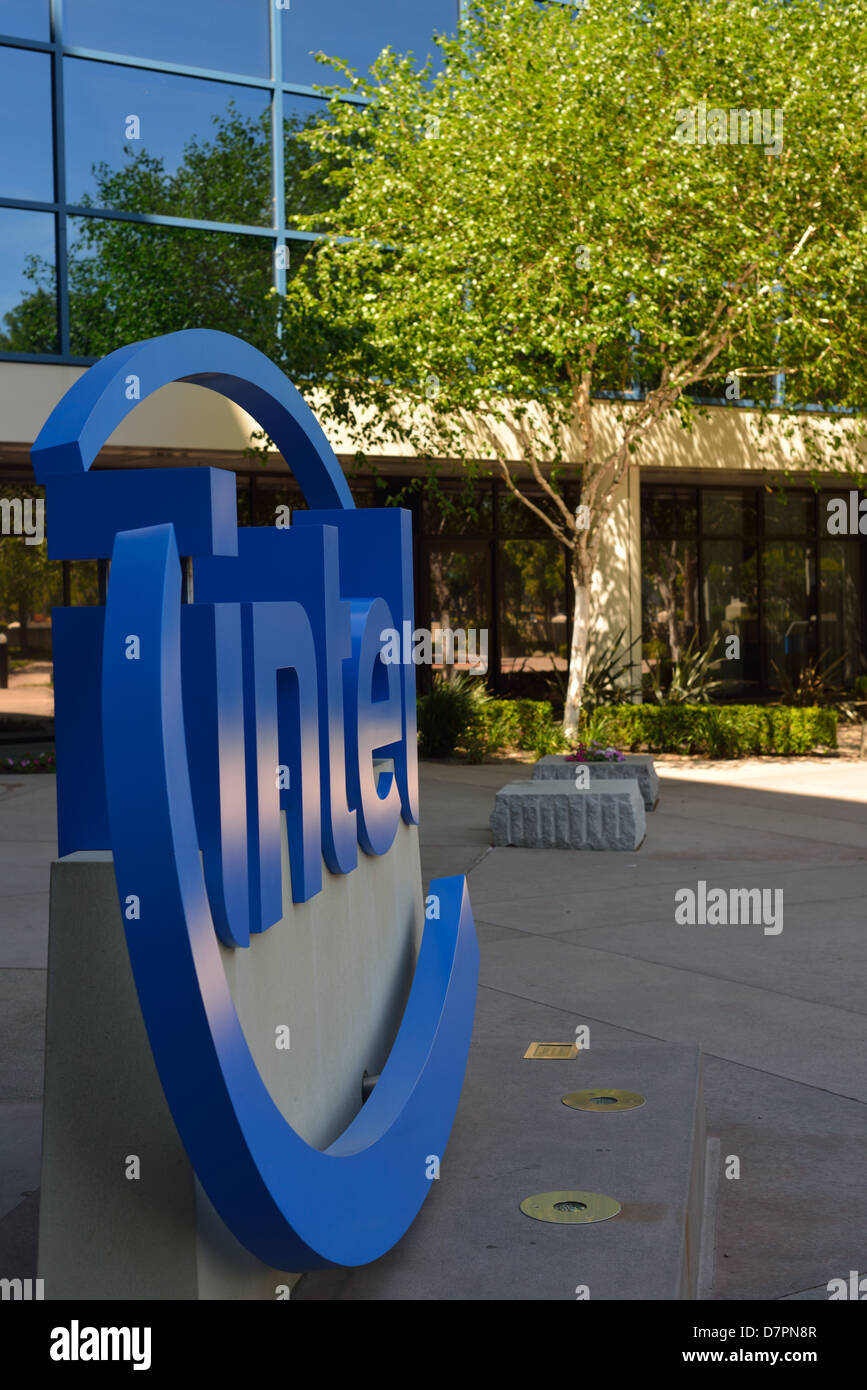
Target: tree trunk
{"points": [[578, 653]]}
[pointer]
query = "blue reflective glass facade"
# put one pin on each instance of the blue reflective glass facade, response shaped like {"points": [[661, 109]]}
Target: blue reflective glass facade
{"points": [[356, 32], [25, 19], [226, 35], [27, 156], [119, 120], [154, 150]]}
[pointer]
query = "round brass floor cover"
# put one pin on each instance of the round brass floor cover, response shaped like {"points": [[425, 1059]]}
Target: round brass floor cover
{"points": [[570, 1208], [603, 1100]]}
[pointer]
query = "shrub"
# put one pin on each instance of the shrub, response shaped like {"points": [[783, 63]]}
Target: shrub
{"points": [[501, 724], [722, 731], [443, 717], [691, 679], [460, 713]]}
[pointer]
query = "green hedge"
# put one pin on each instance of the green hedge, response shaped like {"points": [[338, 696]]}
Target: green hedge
{"points": [[450, 719], [500, 724], [722, 731]]}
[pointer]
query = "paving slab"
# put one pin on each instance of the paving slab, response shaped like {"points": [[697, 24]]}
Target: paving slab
{"points": [[28, 807], [513, 1138], [820, 955], [19, 1234], [796, 1216], [22, 1034], [24, 930], [791, 1037], [622, 899], [20, 1150]]}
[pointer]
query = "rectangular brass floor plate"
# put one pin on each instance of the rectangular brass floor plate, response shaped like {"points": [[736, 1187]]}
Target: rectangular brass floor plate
{"points": [[551, 1052]]}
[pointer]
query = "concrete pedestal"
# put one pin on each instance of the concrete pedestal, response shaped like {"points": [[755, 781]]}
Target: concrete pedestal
{"points": [[637, 765], [122, 1215], [557, 815]]}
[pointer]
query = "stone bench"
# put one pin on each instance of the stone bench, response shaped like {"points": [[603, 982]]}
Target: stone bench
{"points": [[637, 765], [552, 814]]}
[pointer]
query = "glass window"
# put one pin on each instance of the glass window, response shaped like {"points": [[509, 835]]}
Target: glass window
{"points": [[669, 512], [460, 592], [28, 304], [840, 608], [728, 513], [26, 159], [25, 19], [516, 519], [789, 514], [132, 280], [358, 33], [534, 616], [303, 195], [271, 493], [788, 590], [224, 35], [457, 513], [845, 511], [730, 598], [669, 583], [152, 142]]}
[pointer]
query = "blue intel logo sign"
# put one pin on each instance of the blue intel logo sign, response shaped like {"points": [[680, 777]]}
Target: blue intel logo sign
{"points": [[216, 703]]}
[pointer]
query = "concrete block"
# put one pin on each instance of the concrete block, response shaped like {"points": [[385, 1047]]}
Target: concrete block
{"points": [[557, 815], [638, 765], [336, 970]]}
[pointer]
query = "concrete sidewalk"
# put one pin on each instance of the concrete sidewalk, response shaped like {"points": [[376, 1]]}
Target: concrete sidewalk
{"points": [[30, 692], [782, 1019], [591, 938]]}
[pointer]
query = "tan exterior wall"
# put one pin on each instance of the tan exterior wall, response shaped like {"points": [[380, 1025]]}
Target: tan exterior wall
{"points": [[203, 427], [191, 418]]}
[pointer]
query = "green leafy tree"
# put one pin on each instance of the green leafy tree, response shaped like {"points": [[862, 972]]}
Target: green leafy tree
{"points": [[28, 580], [533, 226]]}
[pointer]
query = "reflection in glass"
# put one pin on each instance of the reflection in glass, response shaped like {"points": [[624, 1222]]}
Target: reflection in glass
{"points": [[304, 195], [271, 493], [460, 592], [358, 33], [669, 588], [842, 513], [26, 151], [466, 512], [28, 303], [840, 607], [789, 579], [730, 599], [789, 514], [516, 519], [25, 19], [224, 35], [534, 622], [669, 512], [153, 142], [728, 513], [132, 280]]}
